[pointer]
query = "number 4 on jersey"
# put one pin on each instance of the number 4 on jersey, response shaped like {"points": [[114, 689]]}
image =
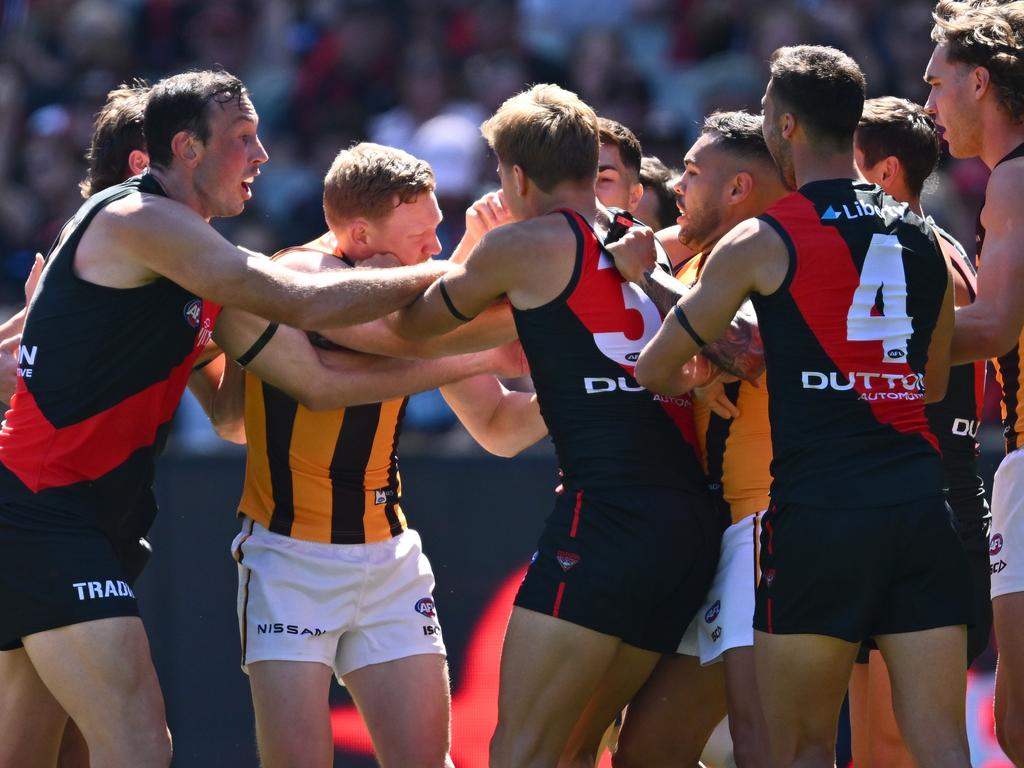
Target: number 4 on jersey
{"points": [[879, 308]]}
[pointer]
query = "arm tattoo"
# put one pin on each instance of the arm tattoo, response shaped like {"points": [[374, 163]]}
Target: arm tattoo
{"points": [[740, 351]]}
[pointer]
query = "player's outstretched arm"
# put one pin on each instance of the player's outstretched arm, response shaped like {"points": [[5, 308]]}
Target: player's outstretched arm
{"points": [[491, 328], [468, 289], [738, 351], [503, 422], [327, 379], [171, 240], [219, 387], [991, 325], [936, 374], [749, 258]]}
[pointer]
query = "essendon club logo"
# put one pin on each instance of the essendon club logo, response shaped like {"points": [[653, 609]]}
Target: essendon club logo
{"points": [[769, 576], [567, 559], [194, 312]]}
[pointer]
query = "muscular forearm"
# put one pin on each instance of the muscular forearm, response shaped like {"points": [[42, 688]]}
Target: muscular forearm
{"points": [[739, 352], [494, 326], [503, 422], [977, 336]]}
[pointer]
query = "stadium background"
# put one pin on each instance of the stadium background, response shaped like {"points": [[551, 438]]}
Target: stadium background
{"points": [[419, 74]]}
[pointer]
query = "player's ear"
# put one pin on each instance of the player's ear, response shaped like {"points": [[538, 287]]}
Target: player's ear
{"points": [[636, 194], [789, 125], [186, 146], [740, 187], [358, 232], [138, 161], [522, 181], [981, 78], [891, 169]]}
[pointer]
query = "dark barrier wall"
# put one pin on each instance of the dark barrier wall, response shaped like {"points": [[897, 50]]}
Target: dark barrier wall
{"points": [[479, 518]]}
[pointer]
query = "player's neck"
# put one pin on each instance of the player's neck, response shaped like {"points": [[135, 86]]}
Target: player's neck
{"points": [[180, 190], [811, 164], [579, 198], [1000, 137]]}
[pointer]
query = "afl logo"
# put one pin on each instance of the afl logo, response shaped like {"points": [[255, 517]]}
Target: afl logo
{"points": [[896, 354], [996, 544], [713, 611], [425, 605], [194, 312], [633, 357]]}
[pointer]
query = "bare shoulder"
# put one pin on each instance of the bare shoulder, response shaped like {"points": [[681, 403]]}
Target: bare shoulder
{"points": [[1002, 196], [754, 249], [535, 238], [303, 259]]}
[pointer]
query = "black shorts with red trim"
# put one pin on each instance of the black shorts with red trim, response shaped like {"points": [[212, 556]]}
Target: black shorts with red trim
{"points": [[633, 562], [51, 579], [972, 521], [853, 574]]}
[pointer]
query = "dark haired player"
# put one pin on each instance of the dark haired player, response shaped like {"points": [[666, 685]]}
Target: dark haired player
{"points": [[896, 146], [855, 310]]}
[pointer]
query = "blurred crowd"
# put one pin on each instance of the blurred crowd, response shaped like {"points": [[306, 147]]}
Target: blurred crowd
{"points": [[416, 74]]}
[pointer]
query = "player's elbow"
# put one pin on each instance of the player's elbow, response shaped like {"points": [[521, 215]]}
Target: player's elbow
{"points": [[233, 432], [650, 375]]}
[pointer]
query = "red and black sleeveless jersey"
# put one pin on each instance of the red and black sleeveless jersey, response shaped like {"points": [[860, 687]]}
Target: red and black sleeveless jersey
{"points": [[1008, 366], [954, 420], [846, 340], [582, 348], [101, 371]]}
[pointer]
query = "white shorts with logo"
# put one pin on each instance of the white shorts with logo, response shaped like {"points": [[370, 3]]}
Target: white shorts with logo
{"points": [[344, 605], [1006, 543], [726, 620]]}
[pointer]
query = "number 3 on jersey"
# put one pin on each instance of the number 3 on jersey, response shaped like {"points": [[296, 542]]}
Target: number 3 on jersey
{"points": [[879, 308]]}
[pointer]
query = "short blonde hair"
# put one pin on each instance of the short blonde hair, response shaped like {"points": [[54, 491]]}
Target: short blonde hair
{"points": [[547, 131], [371, 180]]}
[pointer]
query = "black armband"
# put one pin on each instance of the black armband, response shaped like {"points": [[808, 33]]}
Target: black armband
{"points": [[257, 346], [448, 303], [683, 321]]}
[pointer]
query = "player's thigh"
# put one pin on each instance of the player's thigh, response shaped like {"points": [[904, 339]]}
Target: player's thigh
{"points": [[31, 720], [102, 674], [628, 671], [802, 680], [405, 704], [669, 720], [550, 668], [290, 700], [929, 689]]}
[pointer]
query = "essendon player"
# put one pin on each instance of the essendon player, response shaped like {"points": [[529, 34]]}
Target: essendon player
{"points": [[897, 147], [111, 336], [630, 548], [729, 176], [976, 74], [855, 309]]}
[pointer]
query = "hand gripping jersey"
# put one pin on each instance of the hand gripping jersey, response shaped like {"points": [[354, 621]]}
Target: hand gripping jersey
{"points": [[1008, 372], [582, 348], [326, 476], [846, 338], [101, 371], [954, 420]]}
